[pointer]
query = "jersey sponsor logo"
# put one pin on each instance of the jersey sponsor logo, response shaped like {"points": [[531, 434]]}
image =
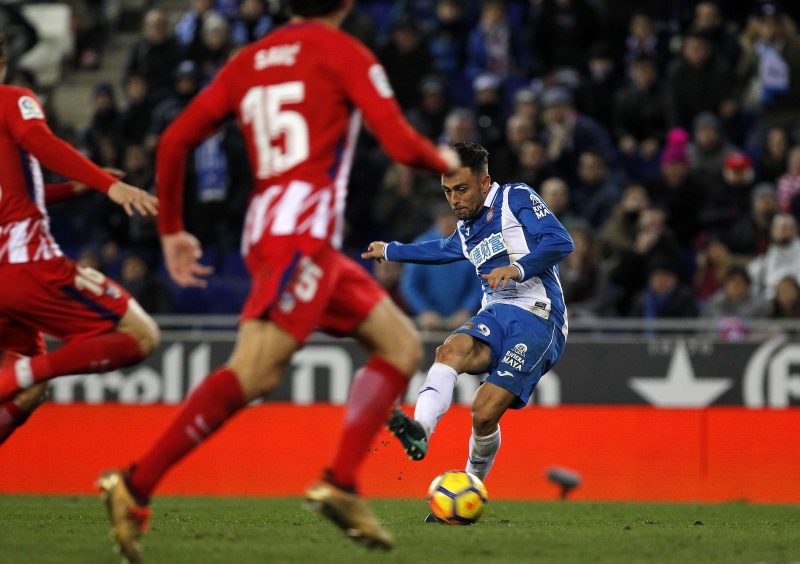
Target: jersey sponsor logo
{"points": [[486, 249], [505, 373], [280, 55], [538, 207], [380, 81], [483, 330], [515, 358], [30, 108]]}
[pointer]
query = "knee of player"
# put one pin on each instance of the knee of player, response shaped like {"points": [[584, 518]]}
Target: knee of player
{"points": [[484, 420], [450, 353]]}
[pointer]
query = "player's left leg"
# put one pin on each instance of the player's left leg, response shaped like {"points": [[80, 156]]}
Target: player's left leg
{"points": [[488, 406], [24, 340]]}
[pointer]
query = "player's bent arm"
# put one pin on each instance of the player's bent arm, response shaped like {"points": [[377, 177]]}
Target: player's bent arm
{"points": [[436, 251], [551, 247]]}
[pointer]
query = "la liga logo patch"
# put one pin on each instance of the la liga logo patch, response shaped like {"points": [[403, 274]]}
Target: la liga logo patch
{"points": [[29, 108]]}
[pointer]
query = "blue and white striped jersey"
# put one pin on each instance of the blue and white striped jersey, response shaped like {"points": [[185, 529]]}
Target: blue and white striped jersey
{"points": [[514, 227]]}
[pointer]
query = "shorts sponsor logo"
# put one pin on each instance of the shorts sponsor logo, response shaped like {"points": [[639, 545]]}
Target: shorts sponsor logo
{"points": [[486, 249], [30, 108], [515, 358], [483, 329]]}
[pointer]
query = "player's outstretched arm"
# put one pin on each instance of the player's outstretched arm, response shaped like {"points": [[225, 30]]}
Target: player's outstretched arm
{"points": [[375, 251], [182, 253], [133, 198]]}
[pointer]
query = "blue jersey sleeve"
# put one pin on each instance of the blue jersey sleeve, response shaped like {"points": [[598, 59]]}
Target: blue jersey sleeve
{"points": [[437, 251], [551, 242]]}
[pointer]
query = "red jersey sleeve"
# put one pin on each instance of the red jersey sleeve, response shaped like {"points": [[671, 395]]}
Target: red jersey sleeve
{"points": [[366, 83], [58, 192], [196, 122], [27, 125]]}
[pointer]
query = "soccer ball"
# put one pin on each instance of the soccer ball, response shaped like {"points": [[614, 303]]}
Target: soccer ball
{"points": [[457, 497]]}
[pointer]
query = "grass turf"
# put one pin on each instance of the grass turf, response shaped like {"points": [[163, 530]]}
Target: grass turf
{"points": [[73, 529]]}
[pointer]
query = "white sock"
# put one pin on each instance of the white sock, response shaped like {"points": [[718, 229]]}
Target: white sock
{"points": [[436, 395], [482, 451]]}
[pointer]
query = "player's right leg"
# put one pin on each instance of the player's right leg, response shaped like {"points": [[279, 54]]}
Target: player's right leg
{"points": [[259, 359], [461, 352]]}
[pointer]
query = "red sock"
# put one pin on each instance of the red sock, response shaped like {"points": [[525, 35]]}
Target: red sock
{"points": [[374, 391], [95, 354], [211, 404], [11, 417]]}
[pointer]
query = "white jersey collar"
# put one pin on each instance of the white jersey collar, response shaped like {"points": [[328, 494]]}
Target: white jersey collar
{"points": [[491, 195]]}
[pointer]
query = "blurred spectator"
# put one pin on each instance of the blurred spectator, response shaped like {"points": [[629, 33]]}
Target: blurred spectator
{"points": [[459, 127], [356, 23], [595, 96], [388, 273], [134, 120], [781, 259], [448, 38], [137, 166], [665, 296], [750, 235], [654, 240], [494, 46], [729, 196], [429, 114], [643, 41], [708, 21], [770, 66], [105, 120], [735, 298], [789, 182], [144, 285], [708, 150], [619, 232], [697, 82], [555, 193], [533, 165], [438, 306], [774, 155], [191, 25], [786, 303], [567, 134], [186, 83], [562, 34], [251, 23], [214, 48], [580, 273], [155, 55], [640, 117], [489, 110], [91, 32], [406, 59], [595, 193], [677, 191], [713, 264], [403, 204], [108, 153], [506, 158], [526, 105]]}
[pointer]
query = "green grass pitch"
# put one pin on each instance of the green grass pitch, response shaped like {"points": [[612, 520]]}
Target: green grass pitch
{"points": [[73, 529]]}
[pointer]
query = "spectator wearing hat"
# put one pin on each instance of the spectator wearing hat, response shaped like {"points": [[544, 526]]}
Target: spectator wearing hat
{"points": [[406, 59], [677, 190], [567, 134], [428, 115], [736, 299], [155, 55], [781, 259], [750, 235], [665, 296], [789, 182], [709, 148], [697, 82], [729, 196]]}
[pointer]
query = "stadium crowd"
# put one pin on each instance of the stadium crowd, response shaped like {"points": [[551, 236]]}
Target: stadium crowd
{"points": [[664, 134]]}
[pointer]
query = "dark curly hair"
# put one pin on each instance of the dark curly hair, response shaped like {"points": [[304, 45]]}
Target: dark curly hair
{"points": [[313, 8], [473, 156]]}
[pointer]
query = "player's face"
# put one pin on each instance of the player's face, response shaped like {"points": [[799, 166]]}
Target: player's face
{"points": [[465, 191]]}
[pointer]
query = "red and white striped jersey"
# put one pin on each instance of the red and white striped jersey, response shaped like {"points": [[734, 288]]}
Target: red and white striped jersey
{"points": [[24, 228], [298, 95]]}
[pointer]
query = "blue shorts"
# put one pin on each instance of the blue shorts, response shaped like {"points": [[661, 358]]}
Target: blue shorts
{"points": [[523, 347]]}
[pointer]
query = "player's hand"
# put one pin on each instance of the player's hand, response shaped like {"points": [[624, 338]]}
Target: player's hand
{"points": [[451, 158], [375, 251], [499, 277], [133, 198], [182, 254]]}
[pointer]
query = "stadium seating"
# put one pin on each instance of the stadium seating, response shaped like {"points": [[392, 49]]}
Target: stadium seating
{"points": [[56, 42]]}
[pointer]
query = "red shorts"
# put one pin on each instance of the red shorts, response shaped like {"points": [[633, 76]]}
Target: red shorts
{"points": [[302, 292], [61, 299], [21, 339]]}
